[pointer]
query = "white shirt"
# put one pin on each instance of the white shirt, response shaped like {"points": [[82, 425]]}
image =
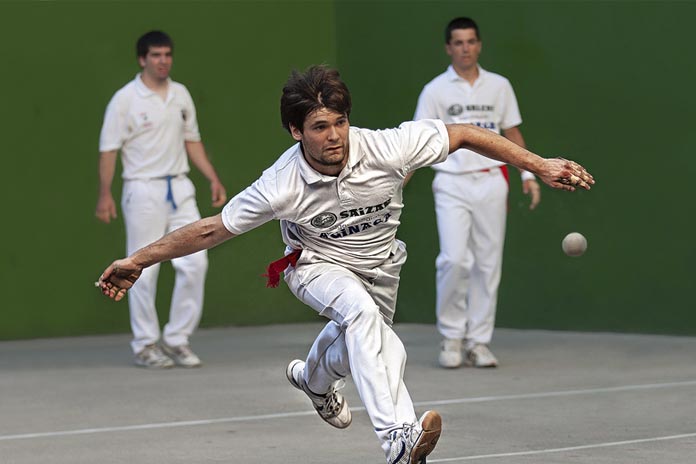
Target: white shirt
{"points": [[149, 131], [350, 219], [489, 103]]}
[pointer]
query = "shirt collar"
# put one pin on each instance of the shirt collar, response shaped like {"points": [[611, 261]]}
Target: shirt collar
{"points": [[145, 91], [307, 172], [453, 76], [311, 176]]}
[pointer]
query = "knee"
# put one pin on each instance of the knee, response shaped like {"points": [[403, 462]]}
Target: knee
{"points": [[453, 263], [366, 316]]}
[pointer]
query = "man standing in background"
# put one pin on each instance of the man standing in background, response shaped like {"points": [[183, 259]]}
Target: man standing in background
{"points": [[152, 121], [470, 194]]}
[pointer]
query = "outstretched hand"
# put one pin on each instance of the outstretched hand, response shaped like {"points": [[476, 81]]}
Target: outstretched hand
{"points": [[564, 174], [118, 278]]}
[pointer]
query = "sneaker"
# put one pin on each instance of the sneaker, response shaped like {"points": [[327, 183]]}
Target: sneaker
{"points": [[152, 357], [451, 353], [331, 406], [182, 355], [481, 356], [414, 442]]}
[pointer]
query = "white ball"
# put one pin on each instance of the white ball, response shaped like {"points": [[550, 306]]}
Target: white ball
{"points": [[574, 244]]}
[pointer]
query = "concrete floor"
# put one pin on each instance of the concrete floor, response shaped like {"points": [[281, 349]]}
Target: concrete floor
{"points": [[558, 397]]}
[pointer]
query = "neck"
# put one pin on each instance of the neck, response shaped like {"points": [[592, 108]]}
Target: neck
{"points": [[470, 74], [157, 85]]}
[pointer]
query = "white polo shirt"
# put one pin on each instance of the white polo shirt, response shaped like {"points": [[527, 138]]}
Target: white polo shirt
{"points": [[489, 103], [351, 219], [149, 131]]}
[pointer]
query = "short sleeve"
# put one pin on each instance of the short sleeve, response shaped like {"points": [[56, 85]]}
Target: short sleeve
{"points": [[249, 209], [114, 129], [423, 143], [426, 108], [511, 113], [191, 132]]}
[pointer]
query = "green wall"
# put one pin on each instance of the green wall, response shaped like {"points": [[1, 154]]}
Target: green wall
{"points": [[608, 84], [62, 63]]}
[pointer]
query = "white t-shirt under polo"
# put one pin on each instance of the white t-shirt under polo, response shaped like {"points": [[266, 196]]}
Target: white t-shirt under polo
{"points": [[350, 219], [149, 131], [489, 103]]}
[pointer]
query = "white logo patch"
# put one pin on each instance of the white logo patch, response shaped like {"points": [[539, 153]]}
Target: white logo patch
{"points": [[323, 220]]}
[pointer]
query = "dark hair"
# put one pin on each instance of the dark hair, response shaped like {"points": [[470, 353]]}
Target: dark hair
{"points": [[152, 39], [461, 23], [318, 87]]}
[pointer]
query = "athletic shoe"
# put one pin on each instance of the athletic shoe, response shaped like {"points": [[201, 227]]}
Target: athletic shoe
{"points": [[331, 406], [182, 355], [414, 442], [450, 353], [481, 356], [152, 357]]}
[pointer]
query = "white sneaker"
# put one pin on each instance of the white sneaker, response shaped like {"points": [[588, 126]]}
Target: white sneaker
{"points": [[414, 442], [331, 406], [450, 353], [481, 356], [152, 357], [182, 355]]}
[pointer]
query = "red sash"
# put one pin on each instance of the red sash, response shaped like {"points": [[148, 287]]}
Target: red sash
{"points": [[276, 267]]}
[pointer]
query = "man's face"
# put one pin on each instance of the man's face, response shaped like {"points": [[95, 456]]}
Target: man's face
{"points": [[464, 48], [324, 140], [157, 63]]}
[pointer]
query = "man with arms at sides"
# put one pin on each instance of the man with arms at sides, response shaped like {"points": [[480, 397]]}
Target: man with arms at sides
{"points": [[152, 121], [337, 194], [470, 194]]}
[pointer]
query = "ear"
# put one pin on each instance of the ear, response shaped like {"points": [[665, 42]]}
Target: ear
{"points": [[448, 50], [141, 61], [296, 133]]}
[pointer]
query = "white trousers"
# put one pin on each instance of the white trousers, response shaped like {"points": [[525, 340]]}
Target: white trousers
{"points": [[149, 215], [359, 339], [471, 212]]}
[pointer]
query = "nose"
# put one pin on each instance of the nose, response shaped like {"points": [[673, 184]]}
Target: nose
{"points": [[333, 133]]}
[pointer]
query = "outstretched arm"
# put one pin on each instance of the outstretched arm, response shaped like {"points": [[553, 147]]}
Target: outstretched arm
{"points": [[556, 172], [203, 234]]}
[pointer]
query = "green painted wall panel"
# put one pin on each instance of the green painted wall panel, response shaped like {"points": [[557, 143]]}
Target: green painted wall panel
{"points": [[62, 63], [606, 83]]}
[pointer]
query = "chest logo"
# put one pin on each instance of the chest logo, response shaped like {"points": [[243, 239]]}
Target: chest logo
{"points": [[455, 110], [323, 220]]}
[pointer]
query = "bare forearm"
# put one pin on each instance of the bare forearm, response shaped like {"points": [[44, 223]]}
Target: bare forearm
{"points": [[492, 145], [203, 234], [199, 158], [107, 168]]}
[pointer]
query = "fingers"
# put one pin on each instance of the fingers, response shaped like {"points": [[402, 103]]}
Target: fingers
{"points": [[219, 196], [536, 196], [574, 175], [116, 280], [111, 290], [531, 187], [103, 216]]}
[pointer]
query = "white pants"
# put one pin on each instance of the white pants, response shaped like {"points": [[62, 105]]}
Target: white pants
{"points": [[359, 339], [149, 215], [471, 211]]}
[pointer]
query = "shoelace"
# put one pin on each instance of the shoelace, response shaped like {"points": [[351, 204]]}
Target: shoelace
{"points": [[408, 432], [185, 351], [405, 436], [331, 405]]}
